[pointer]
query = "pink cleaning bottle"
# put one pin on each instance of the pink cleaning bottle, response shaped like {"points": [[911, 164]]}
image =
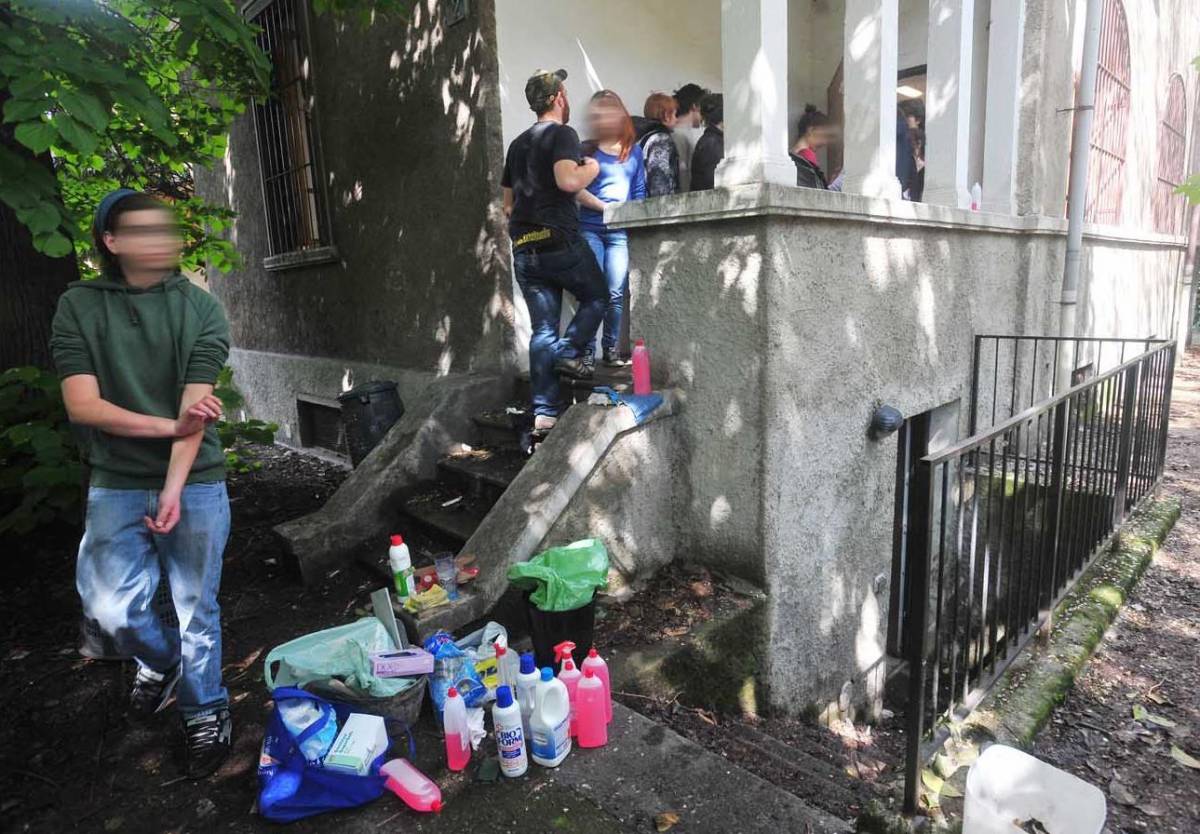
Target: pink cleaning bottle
{"points": [[570, 676], [593, 726], [418, 791], [599, 668], [458, 734], [641, 367]]}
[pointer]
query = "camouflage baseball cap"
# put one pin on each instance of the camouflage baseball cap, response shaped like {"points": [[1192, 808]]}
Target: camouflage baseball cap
{"points": [[542, 86]]}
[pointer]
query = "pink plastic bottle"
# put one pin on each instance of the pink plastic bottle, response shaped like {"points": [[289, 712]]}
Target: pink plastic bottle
{"points": [[593, 726], [599, 668], [458, 735], [641, 367], [418, 791], [570, 676]]}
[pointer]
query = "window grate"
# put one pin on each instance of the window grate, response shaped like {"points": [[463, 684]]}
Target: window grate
{"points": [[1168, 207], [284, 126], [1110, 125]]}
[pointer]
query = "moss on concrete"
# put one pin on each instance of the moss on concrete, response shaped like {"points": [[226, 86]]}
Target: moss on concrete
{"points": [[1021, 702]]}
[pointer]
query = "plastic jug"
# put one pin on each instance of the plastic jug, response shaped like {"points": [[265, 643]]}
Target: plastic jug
{"points": [[458, 735], [589, 711], [527, 681], [550, 723], [569, 675], [400, 562], [510, 737], [641, 368], [1006, 787], [599, 668], [418, 791]]}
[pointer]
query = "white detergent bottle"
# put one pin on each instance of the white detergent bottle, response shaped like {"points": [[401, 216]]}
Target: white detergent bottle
{"points": [[550, 723], [400, 562], [527, 681], [510, 737]]}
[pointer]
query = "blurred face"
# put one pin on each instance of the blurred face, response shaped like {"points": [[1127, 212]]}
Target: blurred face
{"points": [[605, 121], [821, 137], [692, 117], [562, 101], [671, 119], [146, 240]]}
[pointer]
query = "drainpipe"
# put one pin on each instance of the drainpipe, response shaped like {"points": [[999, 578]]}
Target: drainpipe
{"points": [[1085, 105], [1189, 269]]}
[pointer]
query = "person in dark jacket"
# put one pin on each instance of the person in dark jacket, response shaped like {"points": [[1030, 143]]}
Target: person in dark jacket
{"points": [[816, 130], [710, 149], [654, 133], [906, 163]]}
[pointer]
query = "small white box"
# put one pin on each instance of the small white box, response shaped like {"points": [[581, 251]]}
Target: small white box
{"points": [[362, 740]]}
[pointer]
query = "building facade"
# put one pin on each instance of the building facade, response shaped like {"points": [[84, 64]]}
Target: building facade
{"points": [[368, 205]]}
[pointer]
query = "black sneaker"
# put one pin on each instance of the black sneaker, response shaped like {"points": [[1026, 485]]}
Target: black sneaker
{"points": [[209, 738], [151, 691], [575, 368], [613, 359]]}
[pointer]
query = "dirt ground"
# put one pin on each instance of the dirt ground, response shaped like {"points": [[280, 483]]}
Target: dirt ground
{"points": [[1138, 699]]}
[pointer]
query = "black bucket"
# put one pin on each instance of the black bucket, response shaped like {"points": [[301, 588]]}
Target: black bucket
{"points": [[549, 628], [368, 411]]}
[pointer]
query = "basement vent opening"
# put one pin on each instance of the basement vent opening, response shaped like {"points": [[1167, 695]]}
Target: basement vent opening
{"points": [[321, 426]]}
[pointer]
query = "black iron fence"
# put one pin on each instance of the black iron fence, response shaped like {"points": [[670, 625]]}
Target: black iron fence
{"points": [[1000, 525]]}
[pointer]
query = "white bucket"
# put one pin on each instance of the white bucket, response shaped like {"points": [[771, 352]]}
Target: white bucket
{"points": [[1006, 787]]}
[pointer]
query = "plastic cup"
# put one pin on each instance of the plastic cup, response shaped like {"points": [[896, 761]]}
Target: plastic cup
{"points": [[447, 574]]}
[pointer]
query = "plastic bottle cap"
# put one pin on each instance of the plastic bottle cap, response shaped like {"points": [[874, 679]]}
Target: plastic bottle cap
{"points": [[504, 697], [592, 652], [639, 343], [547, 673], [397, 539], [528, 664], [452, 692], [588, 672], [500, 650], [568, 664], [436, 806]]}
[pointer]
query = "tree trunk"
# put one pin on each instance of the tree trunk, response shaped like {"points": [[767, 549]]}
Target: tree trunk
{"points": [[30, 282]]}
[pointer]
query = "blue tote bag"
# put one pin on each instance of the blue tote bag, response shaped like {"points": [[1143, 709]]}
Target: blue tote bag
{"points": [[289, 787]]}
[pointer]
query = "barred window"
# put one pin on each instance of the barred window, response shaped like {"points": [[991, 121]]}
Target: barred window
{"points": [[1110, 124], [293, 193], [1168, 207]]}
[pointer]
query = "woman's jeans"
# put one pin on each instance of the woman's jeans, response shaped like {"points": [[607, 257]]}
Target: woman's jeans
{"points": [[542, 276], [120, 562], [611, 248]]}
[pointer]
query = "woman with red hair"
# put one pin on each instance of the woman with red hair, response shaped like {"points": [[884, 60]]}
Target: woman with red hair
{"points": [[622, 177]]}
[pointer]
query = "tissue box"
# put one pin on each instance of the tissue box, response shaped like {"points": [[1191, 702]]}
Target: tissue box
{"points": [[362, 740], [402, 663]]}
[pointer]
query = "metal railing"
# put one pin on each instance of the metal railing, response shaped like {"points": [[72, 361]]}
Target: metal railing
{"points": [[1002, 524]]}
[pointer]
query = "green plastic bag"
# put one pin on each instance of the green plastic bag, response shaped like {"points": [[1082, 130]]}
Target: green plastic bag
{"points": [[341, 652], [563, 578]]}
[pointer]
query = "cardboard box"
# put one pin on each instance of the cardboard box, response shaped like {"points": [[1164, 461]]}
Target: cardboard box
{"points": [[402, 663], [362, 740]]}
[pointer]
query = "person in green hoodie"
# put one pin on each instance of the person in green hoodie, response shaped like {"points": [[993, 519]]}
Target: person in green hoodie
{"points": [[138, 351]]}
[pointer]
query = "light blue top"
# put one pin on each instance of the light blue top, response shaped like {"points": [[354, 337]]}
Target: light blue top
{"points": [[617, 182]]}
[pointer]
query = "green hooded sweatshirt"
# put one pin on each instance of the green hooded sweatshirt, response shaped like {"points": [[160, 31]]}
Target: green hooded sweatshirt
{"points": [[143, 346]]}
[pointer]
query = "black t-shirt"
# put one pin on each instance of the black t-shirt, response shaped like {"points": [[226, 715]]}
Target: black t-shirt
{"points": [[541, 210]]}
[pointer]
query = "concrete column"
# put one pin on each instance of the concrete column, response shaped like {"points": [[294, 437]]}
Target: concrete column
{"points": [[948, 102], [754, 61], [870, 94], [1003, 111]]}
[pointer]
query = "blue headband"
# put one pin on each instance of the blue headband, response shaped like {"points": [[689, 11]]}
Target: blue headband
{"points": [[106, 206]]}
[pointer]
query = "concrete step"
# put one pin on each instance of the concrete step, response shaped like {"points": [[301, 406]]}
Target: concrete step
{"points": [[578, 390], [482, 474], [452, 524], [499, 429]]}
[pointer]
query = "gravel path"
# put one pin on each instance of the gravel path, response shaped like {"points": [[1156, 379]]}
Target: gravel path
{"points": [[1148, 666]]}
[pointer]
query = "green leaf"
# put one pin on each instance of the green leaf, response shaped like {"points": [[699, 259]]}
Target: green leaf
{"points": [[1183, 758], [79, 137], [53, 245], [86, 108], [37, 136]]}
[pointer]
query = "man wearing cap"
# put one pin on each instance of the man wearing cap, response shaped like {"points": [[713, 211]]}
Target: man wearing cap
{"points": [[544, 169]]}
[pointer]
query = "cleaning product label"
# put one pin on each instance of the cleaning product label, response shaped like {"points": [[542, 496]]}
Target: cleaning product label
{"points": [[550, 744], [510, 741]]}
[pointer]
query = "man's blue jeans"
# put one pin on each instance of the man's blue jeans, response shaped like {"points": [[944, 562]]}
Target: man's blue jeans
{"points": [[611, 248], [120, 562], [542, 276]]}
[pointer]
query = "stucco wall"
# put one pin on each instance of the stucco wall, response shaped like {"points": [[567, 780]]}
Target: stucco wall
{"points": [[409, 129]]}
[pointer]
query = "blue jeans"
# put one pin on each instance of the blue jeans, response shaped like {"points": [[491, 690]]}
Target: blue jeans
{"points": [[542, 276], [120, 562], [611, 248]]}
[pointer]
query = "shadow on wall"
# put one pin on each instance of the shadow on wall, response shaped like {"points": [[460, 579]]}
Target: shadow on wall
{"points": [[406, 118]]}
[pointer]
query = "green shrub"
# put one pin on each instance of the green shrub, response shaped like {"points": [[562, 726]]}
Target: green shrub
{"points": [[234, 434], [41, 478]]}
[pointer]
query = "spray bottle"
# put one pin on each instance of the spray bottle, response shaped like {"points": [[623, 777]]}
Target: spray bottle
{"points": [[569, 675], [599, 668]]}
